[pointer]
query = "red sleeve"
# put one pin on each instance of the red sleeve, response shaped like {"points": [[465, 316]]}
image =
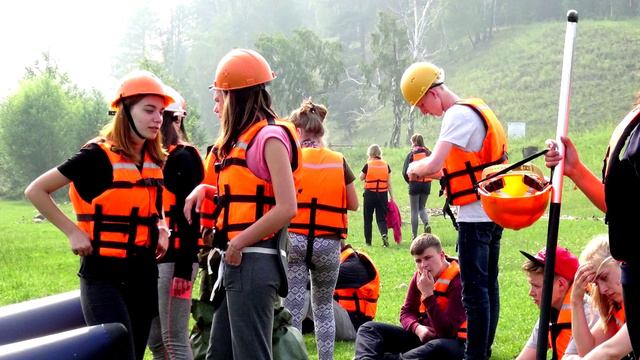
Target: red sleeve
{"points": [[447, 321], [410, 312]]}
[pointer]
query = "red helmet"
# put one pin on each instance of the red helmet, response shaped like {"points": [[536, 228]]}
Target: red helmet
{"points": [[241, 68], [516, 199]]}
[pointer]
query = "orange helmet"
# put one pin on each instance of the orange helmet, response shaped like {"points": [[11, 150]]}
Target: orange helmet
{"points": [[141, 82], [241, 68], [178, 106], [516, 199]]}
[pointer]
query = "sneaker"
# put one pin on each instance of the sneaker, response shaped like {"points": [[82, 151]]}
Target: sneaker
{"points": [[427, 228], [385, 241]]}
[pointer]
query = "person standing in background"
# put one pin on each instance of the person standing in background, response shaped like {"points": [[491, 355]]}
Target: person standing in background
{"points": [[419, 187], [376, 175]]}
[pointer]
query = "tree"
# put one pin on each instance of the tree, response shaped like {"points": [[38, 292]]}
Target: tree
{"points": [[306, 66], [391, 56], [50, 111]]}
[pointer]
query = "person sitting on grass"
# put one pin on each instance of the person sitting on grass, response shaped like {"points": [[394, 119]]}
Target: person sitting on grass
{"points": [[599, 274], [561, 339], [432, 316]]}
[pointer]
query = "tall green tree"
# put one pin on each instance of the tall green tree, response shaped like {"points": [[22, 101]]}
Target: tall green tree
{"points": [[390, 57], [44, 122], [306, 66]]}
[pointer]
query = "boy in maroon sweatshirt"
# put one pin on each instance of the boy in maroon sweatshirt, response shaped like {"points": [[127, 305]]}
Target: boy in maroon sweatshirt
{"points": [[432, 317]]}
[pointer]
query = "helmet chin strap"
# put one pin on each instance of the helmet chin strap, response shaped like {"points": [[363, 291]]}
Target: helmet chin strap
{"points": [[127, 114]]}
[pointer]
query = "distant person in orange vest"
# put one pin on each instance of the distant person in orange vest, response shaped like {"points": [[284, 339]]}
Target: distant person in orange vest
{"points": [[432, 316], [471, 139], [116, 193], [560, 335], [419, 187], [612, 194], [326, 193], [600, 273], [259, 164], [183, 171], [376, 175]]}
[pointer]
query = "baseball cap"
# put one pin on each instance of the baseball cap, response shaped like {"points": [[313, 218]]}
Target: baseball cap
{"points": [[566, 263]]}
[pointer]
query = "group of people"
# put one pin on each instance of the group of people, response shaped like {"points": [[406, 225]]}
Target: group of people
{"points": [[280, 218]]}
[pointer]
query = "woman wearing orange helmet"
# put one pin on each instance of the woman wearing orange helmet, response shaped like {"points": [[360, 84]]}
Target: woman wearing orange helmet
{"points": [[183, 171], [116, 193], [256, 198]]}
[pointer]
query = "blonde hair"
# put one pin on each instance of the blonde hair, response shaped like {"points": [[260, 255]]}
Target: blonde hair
{"points": [[374, 151], [119, 132], [597, 253], [310, 118]]}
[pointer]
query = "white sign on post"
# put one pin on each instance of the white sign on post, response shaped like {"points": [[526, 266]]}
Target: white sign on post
{"points": [[516, 130]]}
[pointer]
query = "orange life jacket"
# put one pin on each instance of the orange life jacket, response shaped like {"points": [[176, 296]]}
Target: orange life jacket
{"points": [[463, 169], [418, 153], [243, 198], [619, 319], [440, 288], [124, 218], [377, 176], [362, 301], [208, 207], [560, 332], [322, 200], [172, 212]]}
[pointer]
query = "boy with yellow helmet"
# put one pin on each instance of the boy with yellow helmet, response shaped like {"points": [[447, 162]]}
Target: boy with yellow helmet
{"points": [[471, 139]]}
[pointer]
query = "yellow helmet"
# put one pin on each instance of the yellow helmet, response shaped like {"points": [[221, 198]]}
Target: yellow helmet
{"points": [[516, 199], [418, 79]]}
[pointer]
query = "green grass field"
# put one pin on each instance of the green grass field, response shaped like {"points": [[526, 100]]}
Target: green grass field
{"points": [[35, 260]]}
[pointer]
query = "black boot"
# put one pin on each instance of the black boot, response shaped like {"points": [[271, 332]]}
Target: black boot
{"points": [[385, 241]]}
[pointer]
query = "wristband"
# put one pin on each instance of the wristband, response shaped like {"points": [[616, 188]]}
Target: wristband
{"points": [[165, 229]]}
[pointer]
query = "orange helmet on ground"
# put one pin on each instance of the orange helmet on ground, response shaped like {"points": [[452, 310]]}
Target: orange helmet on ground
{"points": [[241, 68], [141, 82], [516, 199]]}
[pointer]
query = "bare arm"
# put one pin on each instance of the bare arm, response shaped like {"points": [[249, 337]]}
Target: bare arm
{"points": [[615, 348], [352, 197], [277, 160], [575, 169], [39, 193], [527, 354]]}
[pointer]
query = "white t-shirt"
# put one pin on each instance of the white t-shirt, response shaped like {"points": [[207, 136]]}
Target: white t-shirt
{"points": [[463, 127], [592, 318]]}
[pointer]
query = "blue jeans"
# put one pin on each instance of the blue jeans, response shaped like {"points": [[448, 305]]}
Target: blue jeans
{"points": [[479, 250]]}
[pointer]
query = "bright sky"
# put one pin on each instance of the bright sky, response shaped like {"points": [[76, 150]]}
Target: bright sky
{"points": [[82, 37]]}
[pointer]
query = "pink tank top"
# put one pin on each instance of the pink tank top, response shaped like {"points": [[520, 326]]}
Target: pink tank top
{"points": [[255, 154]]}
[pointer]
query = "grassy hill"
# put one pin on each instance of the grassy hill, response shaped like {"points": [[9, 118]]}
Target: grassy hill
{"points": [[518, 75]]}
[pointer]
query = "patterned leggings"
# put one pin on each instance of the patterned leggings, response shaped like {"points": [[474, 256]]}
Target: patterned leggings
{"points": [[326, 258]]}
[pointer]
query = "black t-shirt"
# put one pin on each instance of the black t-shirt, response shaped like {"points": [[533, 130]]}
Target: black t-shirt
{"points": [[348, 174], [91, 173]]}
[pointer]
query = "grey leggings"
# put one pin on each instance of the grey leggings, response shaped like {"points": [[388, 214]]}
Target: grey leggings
{"points": [[169, 337], [326, 258], [418, 203]]}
